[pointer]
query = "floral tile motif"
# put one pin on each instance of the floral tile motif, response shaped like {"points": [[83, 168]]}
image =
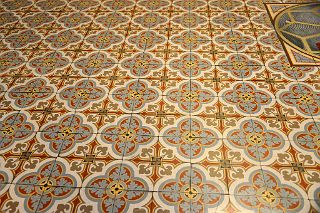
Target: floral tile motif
{"points": [[22, 39], [74, 20], [263, 190], [303, 98], [135, 95], [190, 191], [118, 4], [159, 106], [190, 97], [190, 40], [10, 60], [7, 18], [146, 40], [190, 138], [190, 4], [82, 94], [63, 136], [84, 5], [189, 20], [307, 139], [41, 189], [50, 4], [15, 127], [112, 20], [16, 4], [142, 64], [116, 189], [63, 39], [190, 65], [150, 20], [48, 63], [153, 5], [226, 4], [240, 66], [235, 40], [104, 39], [38, 19], [257, 142], [247, 98], [94, 64], [127, 136], [282, 65], [229, 20], [27, 95]]}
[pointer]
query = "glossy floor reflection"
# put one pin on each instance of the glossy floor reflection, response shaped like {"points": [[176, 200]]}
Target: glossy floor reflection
{"points": [[156, 106]]}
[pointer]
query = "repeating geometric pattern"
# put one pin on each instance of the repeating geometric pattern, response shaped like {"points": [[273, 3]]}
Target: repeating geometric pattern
{"points": [[154, 106]]}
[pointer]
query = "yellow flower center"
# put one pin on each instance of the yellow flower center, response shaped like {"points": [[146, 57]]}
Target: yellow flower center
{"points": [[306, 99], [246, 97], [8, 130], [255, 138]]}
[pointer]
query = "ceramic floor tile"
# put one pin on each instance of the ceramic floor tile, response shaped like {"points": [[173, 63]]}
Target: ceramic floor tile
{"points": [[159, 106]]}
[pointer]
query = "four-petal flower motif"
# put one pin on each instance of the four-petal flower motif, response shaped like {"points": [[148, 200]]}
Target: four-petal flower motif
{"points": [[48, 63], [229, 20], [146, 40], [63, 39], [235, 40], [308, 139], [84, 5], [189, 4], [190, 191], [9, 60], [50, 4], [142, 64], [189, 20], [46, 186], [190, 97], [7, 18], [265, 192], [27, 95], [82, 94], [190, 40], [282, 65], [63, 136], [226, 5], [246, 98], [150, 20], [14, 128], [104, 39], [302, 97], [240, 66], [74, 20], [111, 20], [191, 138], [93, 64], [271, 39], [135, 95], [23, 39], [153, 4], [117, 189], [259, 143], [16, 4], [127, 135], [262, 19], [118, 4], [38, 19], [190, 65]]}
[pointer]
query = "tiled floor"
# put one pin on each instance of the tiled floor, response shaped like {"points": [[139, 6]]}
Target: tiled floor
{"points": [[154, 106]]}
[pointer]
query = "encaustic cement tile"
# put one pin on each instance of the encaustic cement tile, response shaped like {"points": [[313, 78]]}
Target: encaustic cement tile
{"points": [[155, 106]]}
